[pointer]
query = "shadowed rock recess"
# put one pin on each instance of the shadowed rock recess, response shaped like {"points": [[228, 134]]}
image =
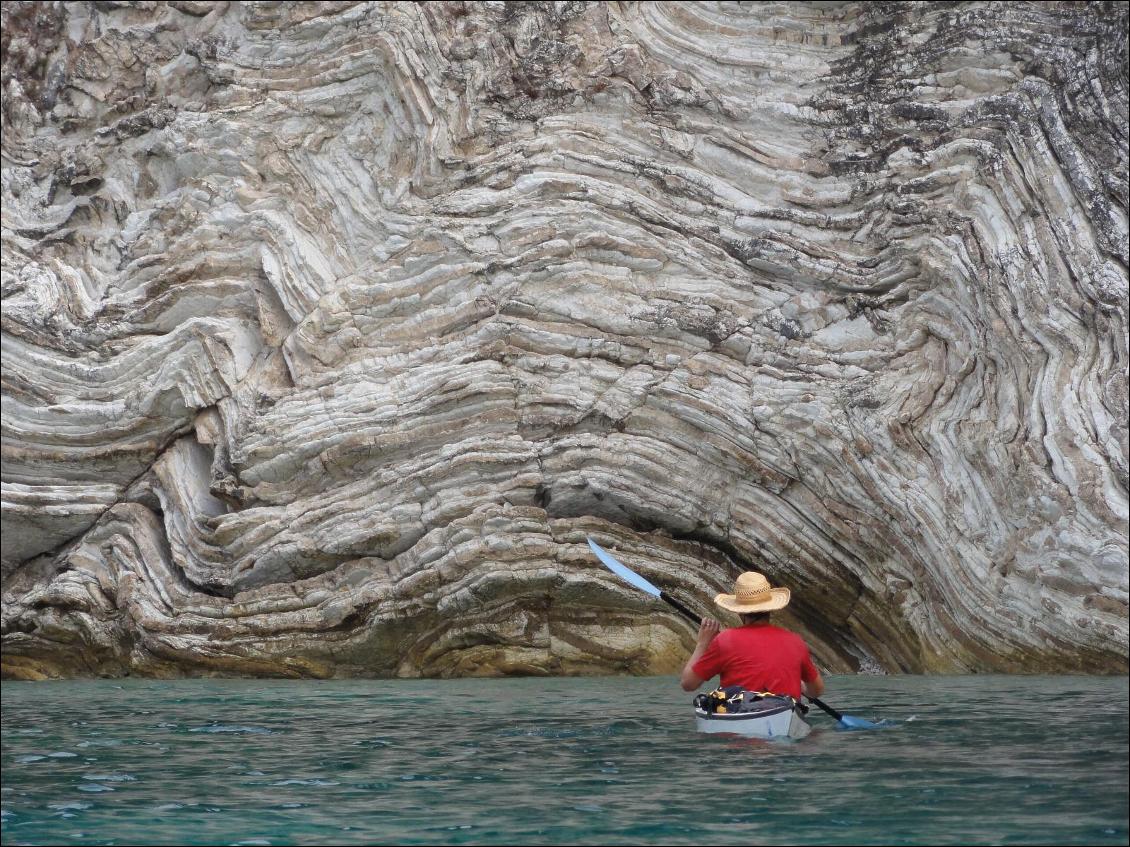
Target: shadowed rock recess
{"points": [[330, 330]]}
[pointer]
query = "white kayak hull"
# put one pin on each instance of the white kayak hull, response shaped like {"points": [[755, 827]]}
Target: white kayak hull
{"points": [[785, 723]]}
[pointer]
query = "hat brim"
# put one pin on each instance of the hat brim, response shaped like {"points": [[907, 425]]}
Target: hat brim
{"points": [[779, 599]]}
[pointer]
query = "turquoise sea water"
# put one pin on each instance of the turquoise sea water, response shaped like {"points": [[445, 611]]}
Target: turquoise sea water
{"points": [[986, 759]]}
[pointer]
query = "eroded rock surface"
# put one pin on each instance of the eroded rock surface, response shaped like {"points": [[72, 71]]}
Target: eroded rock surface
{"points": [[330, 330]]}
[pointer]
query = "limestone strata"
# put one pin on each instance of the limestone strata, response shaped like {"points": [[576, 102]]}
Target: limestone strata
{"points": [[330, 330]]}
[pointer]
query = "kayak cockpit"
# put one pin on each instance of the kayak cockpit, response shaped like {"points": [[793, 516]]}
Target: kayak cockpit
{"points": [[753, 714]]}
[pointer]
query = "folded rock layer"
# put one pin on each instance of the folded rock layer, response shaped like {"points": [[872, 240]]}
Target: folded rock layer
{"points": [[331, 330]]}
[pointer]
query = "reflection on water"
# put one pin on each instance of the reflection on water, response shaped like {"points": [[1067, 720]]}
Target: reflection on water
{"points": [[549, 761]]}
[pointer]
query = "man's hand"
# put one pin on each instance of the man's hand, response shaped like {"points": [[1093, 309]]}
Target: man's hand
{"points": [[707, 630], [814, 688]]}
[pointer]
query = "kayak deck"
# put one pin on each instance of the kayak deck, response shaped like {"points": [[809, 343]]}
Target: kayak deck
{"points": [[779, 722]]}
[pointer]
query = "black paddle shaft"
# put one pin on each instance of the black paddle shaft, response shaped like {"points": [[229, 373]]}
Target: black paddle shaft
{"points": [[837, 715], [695, 619], [680, 608]]}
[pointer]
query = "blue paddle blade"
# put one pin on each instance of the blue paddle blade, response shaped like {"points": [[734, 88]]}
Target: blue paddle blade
{"points": [[621, 571], [849, 722]]}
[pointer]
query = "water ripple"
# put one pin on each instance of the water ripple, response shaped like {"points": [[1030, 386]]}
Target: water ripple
{"points": [[550, 762]]}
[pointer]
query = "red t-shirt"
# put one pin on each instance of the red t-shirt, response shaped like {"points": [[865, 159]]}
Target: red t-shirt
{"points": [[758, 657]]}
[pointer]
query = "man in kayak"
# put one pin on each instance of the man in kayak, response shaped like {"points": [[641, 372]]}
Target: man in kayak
{"points": [[756, 655]]}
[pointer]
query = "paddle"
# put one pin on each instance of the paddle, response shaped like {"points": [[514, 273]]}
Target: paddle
{"points": [[633, 578]]}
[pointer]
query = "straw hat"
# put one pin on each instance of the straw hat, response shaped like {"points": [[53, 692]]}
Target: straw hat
{"points": [[752, 593]]}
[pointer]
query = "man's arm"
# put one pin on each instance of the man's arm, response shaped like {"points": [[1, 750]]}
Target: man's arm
{"points": [[706, 632], [814, 688]]}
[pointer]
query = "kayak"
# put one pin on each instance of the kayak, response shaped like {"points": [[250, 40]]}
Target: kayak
{"points": [[771, 717]]}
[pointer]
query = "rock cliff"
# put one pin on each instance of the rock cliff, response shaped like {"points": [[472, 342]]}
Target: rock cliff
{"points": [[330, 330]]}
